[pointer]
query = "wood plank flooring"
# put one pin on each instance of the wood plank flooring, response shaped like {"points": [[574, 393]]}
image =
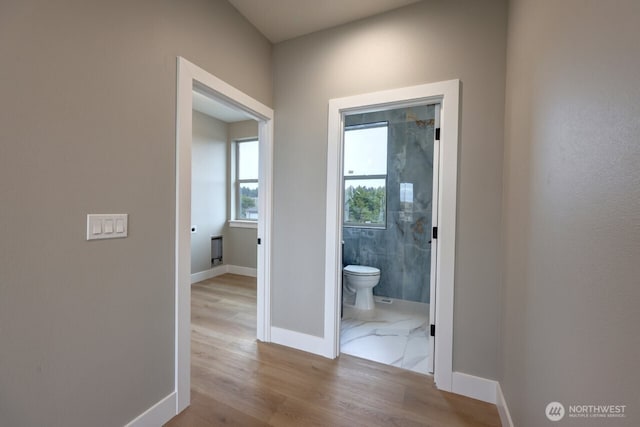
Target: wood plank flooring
{"points": [[237, 381]]}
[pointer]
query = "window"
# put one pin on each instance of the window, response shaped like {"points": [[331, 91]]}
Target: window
{"points": [[247, 161], [365, 175]]}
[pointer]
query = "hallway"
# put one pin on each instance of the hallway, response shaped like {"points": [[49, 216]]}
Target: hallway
{"points": [[236, 380]]}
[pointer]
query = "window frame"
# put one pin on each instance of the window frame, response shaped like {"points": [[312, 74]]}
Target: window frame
{"points": [[238, 182], [385, 177]]}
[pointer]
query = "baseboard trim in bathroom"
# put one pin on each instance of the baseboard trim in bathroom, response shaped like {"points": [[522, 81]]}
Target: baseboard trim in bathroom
{"points": [[403, 305], [158, 414], [223, 269], [503, 409]]}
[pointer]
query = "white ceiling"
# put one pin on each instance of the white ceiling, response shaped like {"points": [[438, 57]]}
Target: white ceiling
{"points": [[210, 107], [281, 20]]}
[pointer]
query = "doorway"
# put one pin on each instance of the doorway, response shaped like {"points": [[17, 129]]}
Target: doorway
{"points": [[390, 158], [446, 94], [192, 77]]}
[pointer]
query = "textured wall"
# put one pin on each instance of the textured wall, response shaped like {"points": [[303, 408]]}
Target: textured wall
{"points": [[430, 41], [572, 209], [402, 250], [87, 124]]}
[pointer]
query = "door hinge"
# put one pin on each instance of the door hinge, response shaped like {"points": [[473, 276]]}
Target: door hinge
{"points": [[432, 332], [434, 233], [437, 137], [259, 240]]}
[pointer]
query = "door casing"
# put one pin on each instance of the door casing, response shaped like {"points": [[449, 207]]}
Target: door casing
{"points": [[447, 94], [188, 76]]}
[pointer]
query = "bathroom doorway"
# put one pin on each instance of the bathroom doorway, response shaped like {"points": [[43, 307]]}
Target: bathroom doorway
{"points": [[390, 158], [348, 114]]}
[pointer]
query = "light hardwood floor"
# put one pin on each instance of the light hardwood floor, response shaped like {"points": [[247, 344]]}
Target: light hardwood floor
{"points": [[238, 381]]}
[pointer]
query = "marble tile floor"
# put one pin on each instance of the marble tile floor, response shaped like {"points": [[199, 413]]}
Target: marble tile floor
{"points": [[394, 334]]}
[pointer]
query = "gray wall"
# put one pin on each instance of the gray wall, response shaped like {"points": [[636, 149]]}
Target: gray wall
{"points": [[209, 182], [426, 42], [402, 249], [241, 248], [87, 124], [572, 209]]}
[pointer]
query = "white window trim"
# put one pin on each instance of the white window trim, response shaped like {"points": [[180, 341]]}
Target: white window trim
{"points": [[345, 178], [237, 182]]}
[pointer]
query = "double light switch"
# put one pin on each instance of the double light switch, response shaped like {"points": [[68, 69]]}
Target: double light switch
{"points": [[106, 226]]}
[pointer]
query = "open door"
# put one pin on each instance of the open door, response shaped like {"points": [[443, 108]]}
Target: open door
{"points": [[434, 240]]}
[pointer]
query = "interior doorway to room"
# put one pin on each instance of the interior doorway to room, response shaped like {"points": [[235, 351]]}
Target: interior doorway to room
{"points": [[369, 113], [224, 190], [227, 106], [390, 159]]}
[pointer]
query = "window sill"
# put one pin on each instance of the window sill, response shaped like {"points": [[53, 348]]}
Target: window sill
{"points": [[238, 223]]}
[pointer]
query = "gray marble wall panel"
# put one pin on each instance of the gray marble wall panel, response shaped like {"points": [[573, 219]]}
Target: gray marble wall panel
{"points": [[402, 250]]}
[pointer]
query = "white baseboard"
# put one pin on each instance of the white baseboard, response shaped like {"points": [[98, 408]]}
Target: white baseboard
{"points": [[223, 269], [503, 409], [405, 306], [300, 341], [485, 390], [208, 274], [474, 387], [243, 271], [158, 414]]}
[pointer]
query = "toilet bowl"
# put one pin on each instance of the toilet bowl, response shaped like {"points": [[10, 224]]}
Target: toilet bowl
{"points": [[361, 280]]}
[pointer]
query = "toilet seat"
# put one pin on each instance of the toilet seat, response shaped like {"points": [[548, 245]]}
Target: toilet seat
{"points": [[361, 270]]}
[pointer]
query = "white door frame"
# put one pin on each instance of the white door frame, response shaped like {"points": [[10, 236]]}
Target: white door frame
{"points": [[188, 75], [446, 93], [434, 252]]}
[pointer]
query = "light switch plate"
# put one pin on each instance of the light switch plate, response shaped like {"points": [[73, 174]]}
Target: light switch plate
{"points": [[107, 226]]}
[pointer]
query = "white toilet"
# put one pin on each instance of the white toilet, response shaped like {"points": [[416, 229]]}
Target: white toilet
{"points": [[361, 280]]}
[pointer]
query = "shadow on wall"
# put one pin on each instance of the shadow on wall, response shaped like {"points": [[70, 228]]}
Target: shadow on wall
{"points": [[401, 250]]}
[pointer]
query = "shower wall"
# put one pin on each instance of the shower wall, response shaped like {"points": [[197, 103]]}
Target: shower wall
{"points": [[402, 250]]}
